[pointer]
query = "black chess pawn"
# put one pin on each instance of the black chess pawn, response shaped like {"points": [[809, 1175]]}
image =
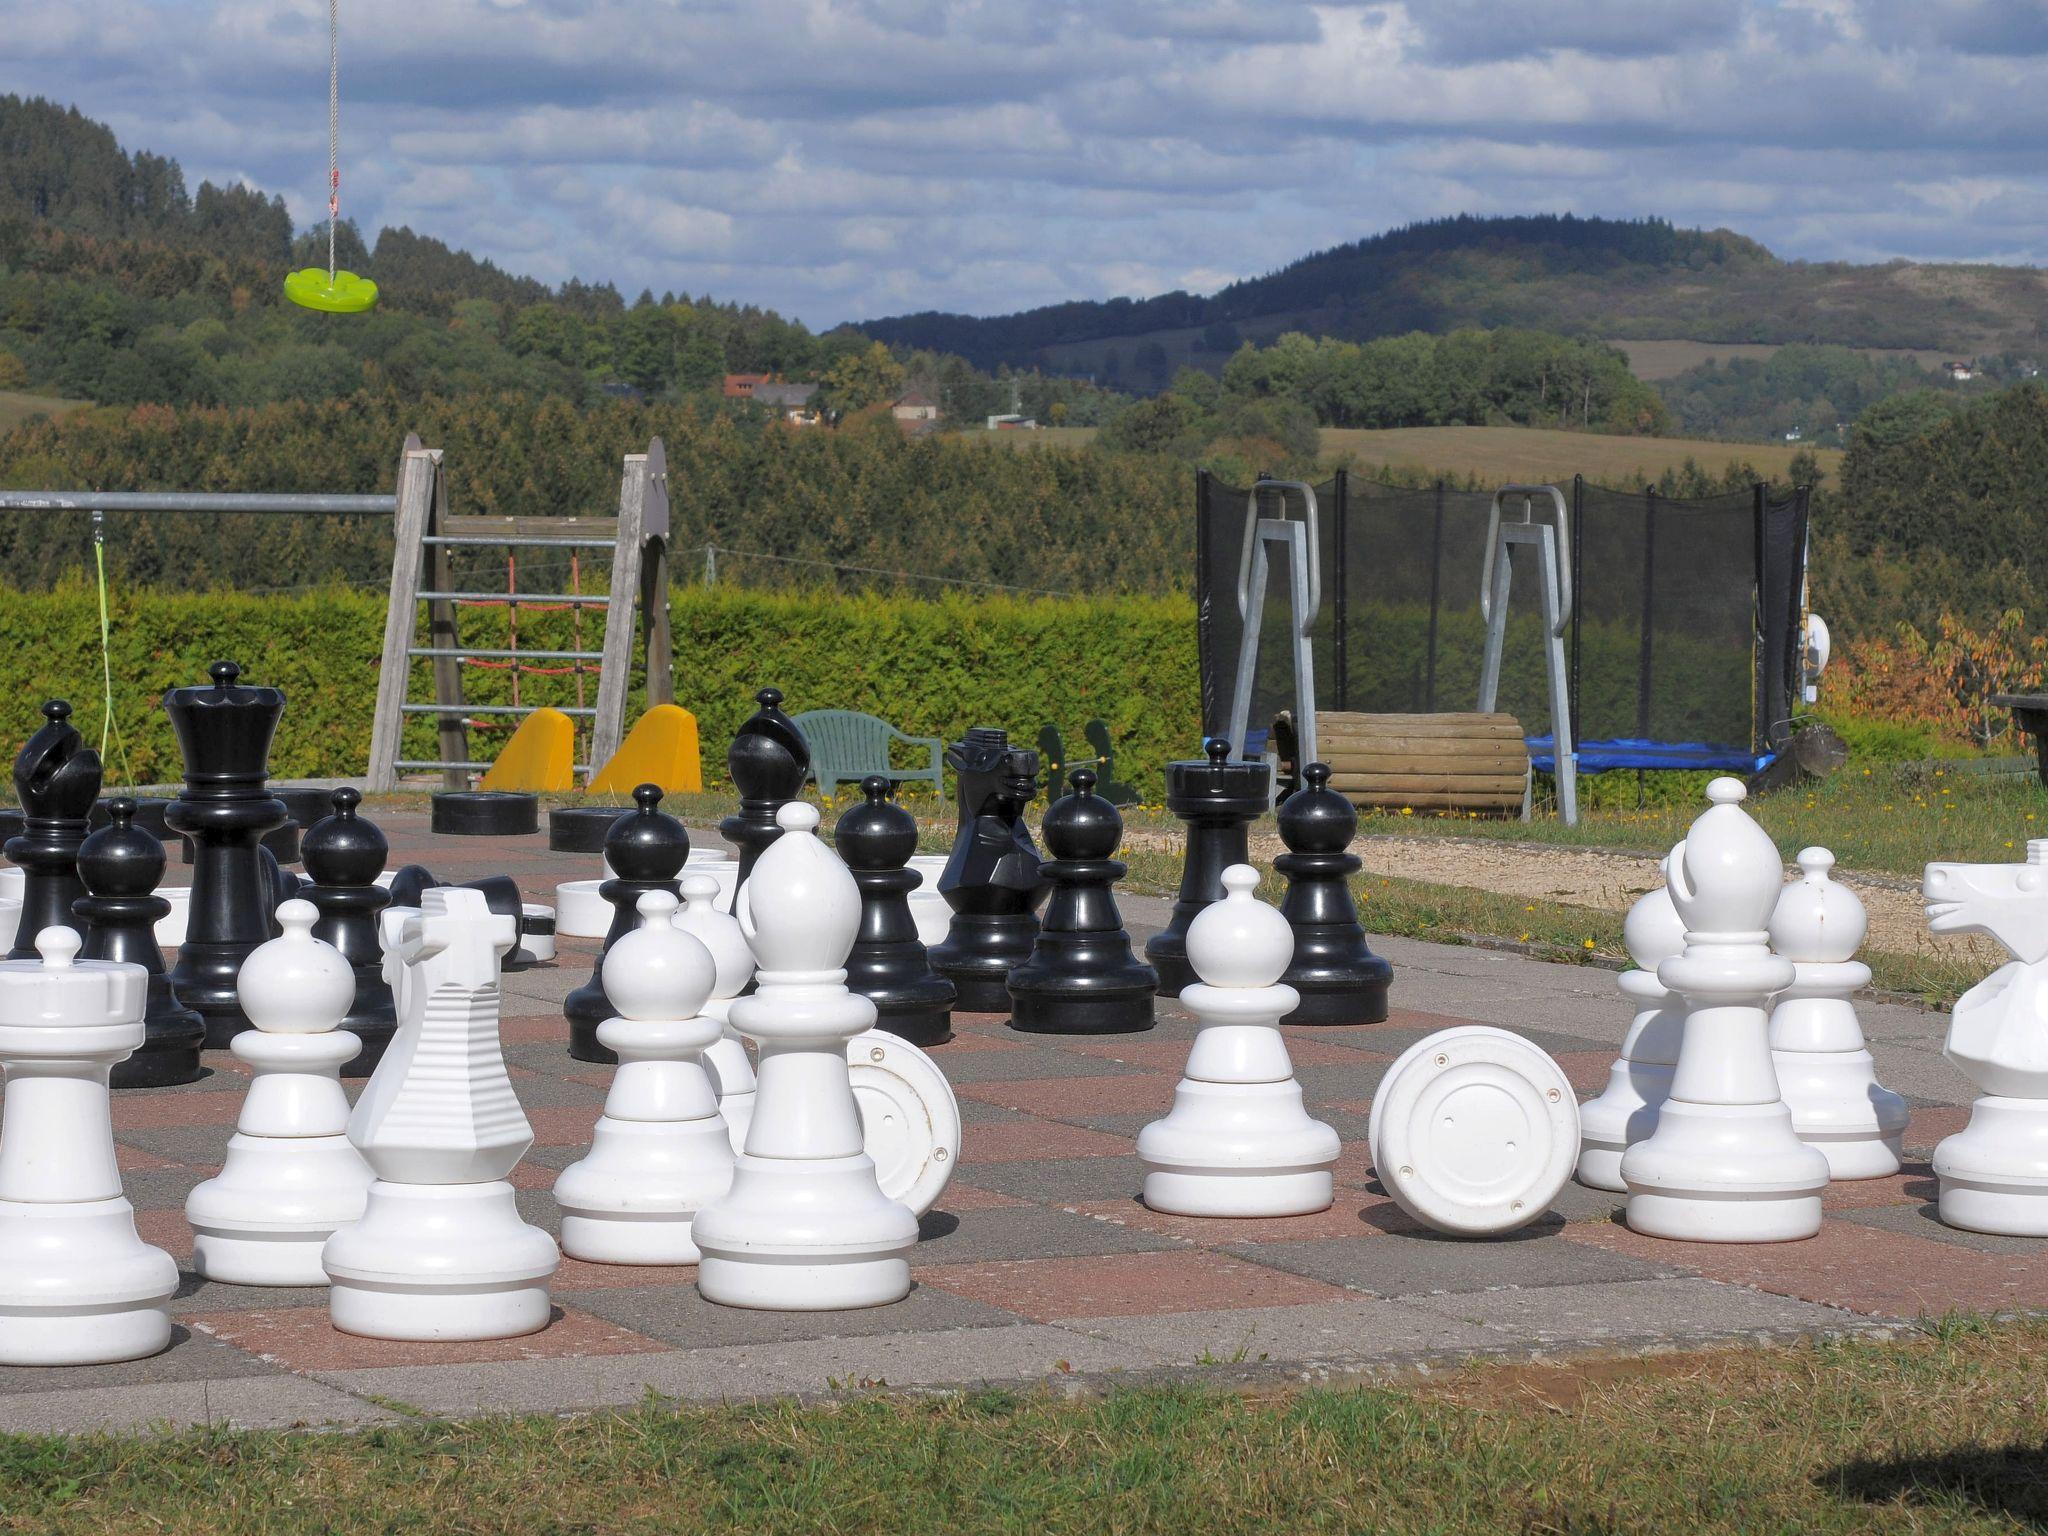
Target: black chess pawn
{"points": [[769, 761], [888, 965], [992, 879], [1340, 979], [648, 851], [344, 854], [224, 732], [122, 865], [1219, 800], [57, 777], [1082, 978]]}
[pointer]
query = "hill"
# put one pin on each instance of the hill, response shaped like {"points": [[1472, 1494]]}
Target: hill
{"points": [[1621, 279]]}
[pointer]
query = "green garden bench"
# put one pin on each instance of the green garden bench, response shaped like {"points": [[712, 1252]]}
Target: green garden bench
{"points": [[847, 746]]}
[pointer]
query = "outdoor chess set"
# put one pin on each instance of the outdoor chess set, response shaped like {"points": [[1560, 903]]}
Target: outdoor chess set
{"points": [[777, 1116]]}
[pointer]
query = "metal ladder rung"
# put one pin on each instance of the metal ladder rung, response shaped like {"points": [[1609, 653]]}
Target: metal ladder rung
{"points": [[586, 599], [459, 651], [492, 709], [516, 541], [417, 762]]}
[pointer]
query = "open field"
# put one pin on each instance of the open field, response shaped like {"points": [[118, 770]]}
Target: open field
{"points": [[1044, 437], [1655, 360], [1502, 454], [1939, 1431], [17, 407]]}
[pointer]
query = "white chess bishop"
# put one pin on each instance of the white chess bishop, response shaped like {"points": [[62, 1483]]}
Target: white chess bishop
{"points": [[1824, 1069], [1238, 1141], [291, 1176], [441, 1251], [1994, 1171], [805, 1226], [1640, 1080], [78, 1286], [660, 1152], [726, 1059], [1723, 1164]]}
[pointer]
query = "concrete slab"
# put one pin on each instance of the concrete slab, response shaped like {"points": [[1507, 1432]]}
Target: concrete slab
{"points": [[280, 1402], [1347, 1331], [1667, 1311]]}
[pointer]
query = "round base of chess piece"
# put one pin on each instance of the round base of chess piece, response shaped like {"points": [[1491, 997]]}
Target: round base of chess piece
{"points": [[812, 1239], [79, 1287], [1623, 1114], [909, 1117], [631, 1198], [440, 1261], [166, 1061], [1345, 1000], [979, 953], [304, 804], [1474, 1131], [921, 1013], [536, 935], [1124, 1009], [485, 813], [1839, 1109], [1994, 1171], [581, 828], [306, 1198], [1724, 1173], [580, 911]]}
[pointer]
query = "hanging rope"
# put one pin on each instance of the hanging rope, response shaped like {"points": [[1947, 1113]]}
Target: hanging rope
{"points": [[107, 727]]}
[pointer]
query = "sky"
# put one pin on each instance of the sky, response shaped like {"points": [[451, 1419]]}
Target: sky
{"points": [[848, 159]]}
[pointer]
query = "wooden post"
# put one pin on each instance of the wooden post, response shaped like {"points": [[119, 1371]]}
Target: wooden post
{"points": [[441, 634], [661, 681], [643, 513], [418, 474]]}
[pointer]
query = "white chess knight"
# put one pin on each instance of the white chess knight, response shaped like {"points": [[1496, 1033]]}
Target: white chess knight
{"points": [[1238, 1141], [291, 1176], [1640, 1080], [732, 1071], [441, 1252], [805, 1226], [660, 1152], [1824, 1069], [78, 1286], [1994, 1171], [1723, 1164]]}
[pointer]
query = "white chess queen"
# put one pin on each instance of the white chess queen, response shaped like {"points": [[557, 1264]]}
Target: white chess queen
{"points": [[805, 1226]]}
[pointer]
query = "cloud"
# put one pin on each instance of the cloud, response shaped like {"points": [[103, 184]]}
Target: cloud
{"points": [[838, 159]]}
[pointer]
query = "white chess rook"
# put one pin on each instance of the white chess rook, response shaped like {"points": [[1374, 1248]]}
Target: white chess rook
{"points": [[291, 1176], [1994, 1171], [732, 1071], [660, 1153], [1723, 1164], [1625, 1112], [1824, 1069], [78, 1286], [441, 1252], [805, 1226], [1238, 1141]]}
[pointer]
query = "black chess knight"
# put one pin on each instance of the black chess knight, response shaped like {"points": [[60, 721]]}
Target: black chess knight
{"points": [[992, 879], [57, 777]]}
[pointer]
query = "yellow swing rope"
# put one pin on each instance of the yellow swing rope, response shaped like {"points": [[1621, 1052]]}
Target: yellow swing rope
{"points": [[108, 729]]}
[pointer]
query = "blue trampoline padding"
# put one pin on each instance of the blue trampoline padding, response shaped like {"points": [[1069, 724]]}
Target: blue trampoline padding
{"points": [[1627, 752]]}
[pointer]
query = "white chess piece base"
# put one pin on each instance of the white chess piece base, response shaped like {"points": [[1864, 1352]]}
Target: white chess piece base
{"points": [[1839, 1109], [1994, 1171], [440, 1261], [805, 1237], [631, 1200], [50, 1316], [1238, 1149], [1724, 1173]]}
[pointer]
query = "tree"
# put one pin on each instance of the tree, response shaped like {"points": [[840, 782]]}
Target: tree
{"points": [[13, 372], [862, 379]]}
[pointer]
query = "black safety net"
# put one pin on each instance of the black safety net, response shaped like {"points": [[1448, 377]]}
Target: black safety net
{"points": [[1680, 644]]}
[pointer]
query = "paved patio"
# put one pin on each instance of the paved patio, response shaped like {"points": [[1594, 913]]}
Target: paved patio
{"points": [[1039, 1264]]}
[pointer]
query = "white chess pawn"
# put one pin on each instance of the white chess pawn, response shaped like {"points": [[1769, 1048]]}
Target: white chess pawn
{"points": [[441, 1252], [1637, 1084], [1824, 1070], [78, 1286], [660, 1153], [731, 1069], [1994, 1171], [291, 1176], [1237, 1141], [1723, 1164], [806, 1226]]}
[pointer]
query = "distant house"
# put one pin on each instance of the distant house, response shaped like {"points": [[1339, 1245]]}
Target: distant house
{"points": [[1795, 435], [1012, 423], [915, 407], [741, 386], [798, 403], [1961, 372]]}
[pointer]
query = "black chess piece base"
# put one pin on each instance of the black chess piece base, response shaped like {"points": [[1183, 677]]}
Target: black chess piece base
{"points": [[486, 813], [581, 828], [1344, 1002], [1122, 1009], [978, 955]]}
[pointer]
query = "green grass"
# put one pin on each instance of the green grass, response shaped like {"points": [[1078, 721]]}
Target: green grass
{"points": [[1499, 455], [1943, 1432], [17, 407]]}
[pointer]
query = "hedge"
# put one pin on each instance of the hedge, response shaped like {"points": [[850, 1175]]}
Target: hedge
{"points": [[930, 667]]}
